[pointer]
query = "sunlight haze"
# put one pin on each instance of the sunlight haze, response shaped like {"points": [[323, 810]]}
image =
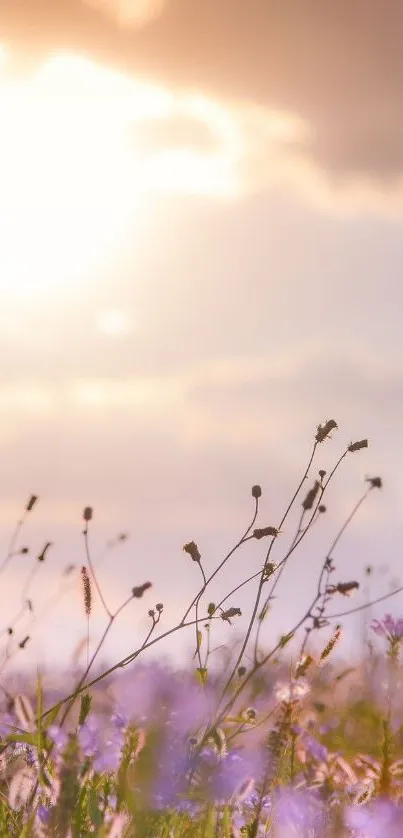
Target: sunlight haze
{"points": [[201, 255]]}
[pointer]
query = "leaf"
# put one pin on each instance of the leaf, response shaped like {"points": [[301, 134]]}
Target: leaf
{"points": [[24, 711], [199, 643], [52, 715], [27, 738], [85, 707], [201, 674]]}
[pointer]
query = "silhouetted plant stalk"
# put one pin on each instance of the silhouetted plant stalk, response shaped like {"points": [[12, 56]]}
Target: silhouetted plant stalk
{"points": [[312, 508]]}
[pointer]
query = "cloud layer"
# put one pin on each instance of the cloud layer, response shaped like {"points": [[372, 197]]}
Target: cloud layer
{"points": [[339, 66]]}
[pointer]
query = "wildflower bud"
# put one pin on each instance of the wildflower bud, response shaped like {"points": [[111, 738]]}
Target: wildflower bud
{"points": [[159, 606], [241, 671], [376, 482], [151, 613], [322, 473], [322, 508], [356, 446], [139, 591], [24, 642], [310, 498], [260, 533], [87, 514], [192, 549], [323, 431], [256, 492], [211, 609], [42, 556], [31, 503], [250, 713]]}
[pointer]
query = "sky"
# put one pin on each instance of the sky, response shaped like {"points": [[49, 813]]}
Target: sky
{"points": [[201, 255]]}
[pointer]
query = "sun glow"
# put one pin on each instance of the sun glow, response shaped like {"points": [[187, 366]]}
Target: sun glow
{"points": [[73, 182], [3, 56]]}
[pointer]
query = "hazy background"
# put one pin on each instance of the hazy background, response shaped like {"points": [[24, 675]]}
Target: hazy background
{"points": [[201, 259]]}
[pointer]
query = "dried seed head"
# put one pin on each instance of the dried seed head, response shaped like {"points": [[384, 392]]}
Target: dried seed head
{"points": [[87, 514], [322, 508], [331, 644], [192, 549], [211, 609], [241, 671], [356, 446], [10, 631], [303, 666], [31, 503], [376, 482], [322, 473], [260, 533], [151, 613], [87, 590], [159, 606], [231, 612], [310, 498], [323, 431], [138, 592], [256, 492], [268, 570], [344, 588], [24, 551]]}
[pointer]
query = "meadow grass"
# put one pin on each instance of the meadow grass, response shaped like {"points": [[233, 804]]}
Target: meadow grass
{"points": [[267, 743]]}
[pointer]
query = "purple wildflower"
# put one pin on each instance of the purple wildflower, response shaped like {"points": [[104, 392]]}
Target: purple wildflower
{"points": [[44, 813], [376, 820], [388, 627], [102, 746]]}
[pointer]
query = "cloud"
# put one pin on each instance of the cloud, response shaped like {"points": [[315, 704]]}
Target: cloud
{"points": [[338, 66], [130, 12]]}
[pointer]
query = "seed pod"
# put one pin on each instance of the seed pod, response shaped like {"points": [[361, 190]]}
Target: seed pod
{"points": [[357, 446], [192, 549], [323, 431], [140, 589], [260, 533]]}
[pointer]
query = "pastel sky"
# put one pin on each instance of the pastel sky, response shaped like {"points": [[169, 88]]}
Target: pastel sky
{"points": [[201, 257]]}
